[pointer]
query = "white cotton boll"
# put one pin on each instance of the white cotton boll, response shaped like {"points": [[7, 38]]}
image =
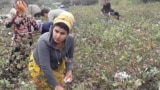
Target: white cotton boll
{"points": [[23, 83], [9, 33], [122, 76], [12, 11], [12, 38], [66, 80]]}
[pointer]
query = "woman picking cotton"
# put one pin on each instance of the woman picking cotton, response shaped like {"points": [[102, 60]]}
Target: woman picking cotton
{"points": [[52, 60], [21, 43]]}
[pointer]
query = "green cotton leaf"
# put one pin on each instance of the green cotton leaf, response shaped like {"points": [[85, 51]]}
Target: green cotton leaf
{"points": [[139, 58], [154, 71], [116, 84], [3, 81], [103, 77], [125, 55]]}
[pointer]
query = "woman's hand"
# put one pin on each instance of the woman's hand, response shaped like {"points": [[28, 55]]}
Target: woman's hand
{"points": [[68, 78], [59, 87]]}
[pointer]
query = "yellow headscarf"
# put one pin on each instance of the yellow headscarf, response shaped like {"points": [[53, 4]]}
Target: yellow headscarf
{"points": [[65, 17]]}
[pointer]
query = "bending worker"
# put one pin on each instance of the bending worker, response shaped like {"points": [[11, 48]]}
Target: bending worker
{"points": [[51, 62]]}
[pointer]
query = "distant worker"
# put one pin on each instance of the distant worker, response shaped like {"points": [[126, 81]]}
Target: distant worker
{"points": [[63, 7], [51, 14], [44, 27], [34, 10], [107, 11], [106, 8]]}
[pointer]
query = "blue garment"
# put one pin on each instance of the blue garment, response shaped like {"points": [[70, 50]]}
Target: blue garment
{"points": [[46, 26]]}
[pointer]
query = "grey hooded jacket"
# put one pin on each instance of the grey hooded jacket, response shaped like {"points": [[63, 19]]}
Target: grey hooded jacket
{"points": [[48, 56]]}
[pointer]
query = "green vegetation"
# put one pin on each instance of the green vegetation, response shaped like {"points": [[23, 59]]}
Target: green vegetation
{"points": [[103, 48]]}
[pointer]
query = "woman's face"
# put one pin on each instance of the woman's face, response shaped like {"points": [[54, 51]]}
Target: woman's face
{"points": [[45, 15], [59, 34]]}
